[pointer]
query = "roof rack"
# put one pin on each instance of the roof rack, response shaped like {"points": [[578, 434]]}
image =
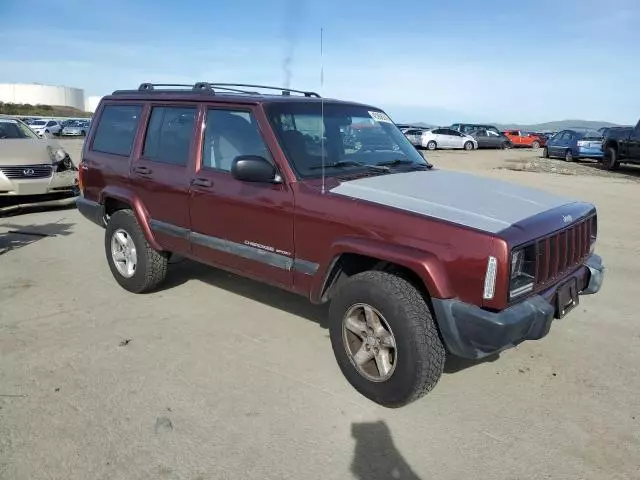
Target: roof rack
{"points": [[213, 87]]}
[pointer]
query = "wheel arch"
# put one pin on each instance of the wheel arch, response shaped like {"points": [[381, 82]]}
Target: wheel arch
{"points": [[114, 199], [349, 257]]}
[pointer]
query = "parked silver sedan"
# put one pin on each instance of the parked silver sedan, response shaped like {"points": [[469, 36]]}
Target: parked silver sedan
{"points": [[414, 135], [33, 169], [447, 138], [77, 128]]}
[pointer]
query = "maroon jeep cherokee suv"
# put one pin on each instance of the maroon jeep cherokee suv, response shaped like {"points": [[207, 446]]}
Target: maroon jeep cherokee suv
{"points": [[328, 199]]}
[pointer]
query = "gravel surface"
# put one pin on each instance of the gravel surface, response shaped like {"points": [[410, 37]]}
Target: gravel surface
{"points": [[218, 377]]}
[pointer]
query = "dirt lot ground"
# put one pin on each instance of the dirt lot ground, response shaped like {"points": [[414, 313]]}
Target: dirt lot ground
{"points": [[217, 377]]}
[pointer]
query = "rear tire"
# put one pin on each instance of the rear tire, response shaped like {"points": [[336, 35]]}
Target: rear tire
{"points": [[468, 145], [418, 357], [535, 145], [150, 266], [431, 145], [610, 159], [506, 146]]}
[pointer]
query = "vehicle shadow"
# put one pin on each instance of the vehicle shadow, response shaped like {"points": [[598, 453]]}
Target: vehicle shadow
{"points": [[455, 364], [624, 171], [184, 270], [375, 455], [18, 236]]}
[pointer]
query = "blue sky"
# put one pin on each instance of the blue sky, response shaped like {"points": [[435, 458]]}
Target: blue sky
{"points": [[434, 61]]}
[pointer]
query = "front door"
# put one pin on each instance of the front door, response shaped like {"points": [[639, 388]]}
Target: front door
{"points": [[245, 227], [160, 172]]}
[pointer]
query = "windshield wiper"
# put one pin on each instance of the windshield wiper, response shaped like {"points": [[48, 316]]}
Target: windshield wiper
{"points": [[402, 161], [350, 163]]}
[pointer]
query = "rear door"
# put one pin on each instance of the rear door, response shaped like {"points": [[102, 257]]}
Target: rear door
{"points": [[482, 138], [245, 227], [160, 171]]}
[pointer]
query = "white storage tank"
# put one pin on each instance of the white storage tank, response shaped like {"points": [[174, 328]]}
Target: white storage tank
{"points": [[91, 103], [38, 94]]}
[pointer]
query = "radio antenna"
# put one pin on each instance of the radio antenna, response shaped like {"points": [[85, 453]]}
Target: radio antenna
{"points": [[322, 104]]}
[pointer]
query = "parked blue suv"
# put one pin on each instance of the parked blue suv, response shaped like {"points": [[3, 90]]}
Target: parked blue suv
{"points": [[574, 144]]}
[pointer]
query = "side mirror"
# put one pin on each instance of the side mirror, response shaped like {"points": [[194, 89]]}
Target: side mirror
{"points": [[253, 168]]}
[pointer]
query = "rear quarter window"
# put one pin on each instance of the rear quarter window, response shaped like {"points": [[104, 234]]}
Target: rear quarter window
{"points": [[116, 129]]}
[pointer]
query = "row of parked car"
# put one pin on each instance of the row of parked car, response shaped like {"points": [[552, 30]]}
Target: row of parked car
{"points": [[471, 136], [568, 144], [47, 127]]}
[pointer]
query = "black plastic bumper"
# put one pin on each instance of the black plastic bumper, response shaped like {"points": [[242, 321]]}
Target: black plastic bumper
{"points": [[471, 332], [91, 210]]}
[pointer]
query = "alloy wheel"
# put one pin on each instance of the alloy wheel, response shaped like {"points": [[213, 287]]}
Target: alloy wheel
{"points": [[369, 342]]}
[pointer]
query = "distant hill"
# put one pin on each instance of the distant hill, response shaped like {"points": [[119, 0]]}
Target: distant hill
{"points": [[25, 110], [542, 127], [558, 125]]}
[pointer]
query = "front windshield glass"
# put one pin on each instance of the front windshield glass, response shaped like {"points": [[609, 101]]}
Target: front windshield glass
{"points": [[38, 123], [11, 129], [355, 138]]}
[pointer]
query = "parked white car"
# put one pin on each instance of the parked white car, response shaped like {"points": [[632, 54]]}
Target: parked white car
{"points": [[46, 127], [447, 138]]}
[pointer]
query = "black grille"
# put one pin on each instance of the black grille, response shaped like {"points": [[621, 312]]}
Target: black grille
{"points": [[564, 250], [27, 171]]}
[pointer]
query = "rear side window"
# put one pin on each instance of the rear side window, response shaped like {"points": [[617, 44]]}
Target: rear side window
{"points": [[116, 129], [169, 135]]}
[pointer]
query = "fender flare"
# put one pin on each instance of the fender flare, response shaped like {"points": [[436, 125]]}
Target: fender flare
{"points": [[140, 212], [424, 264]]}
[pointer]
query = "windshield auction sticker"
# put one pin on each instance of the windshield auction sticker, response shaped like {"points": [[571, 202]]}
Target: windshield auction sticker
{"points": [[380, 117]]}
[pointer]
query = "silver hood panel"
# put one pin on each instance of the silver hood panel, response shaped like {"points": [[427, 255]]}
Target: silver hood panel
{"points": [[476, 202]]}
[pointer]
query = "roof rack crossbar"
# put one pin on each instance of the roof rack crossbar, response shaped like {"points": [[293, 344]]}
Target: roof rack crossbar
{"points": [[284, 90]]}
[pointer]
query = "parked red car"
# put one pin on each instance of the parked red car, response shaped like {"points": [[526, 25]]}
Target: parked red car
{"points": [[520, 138]]}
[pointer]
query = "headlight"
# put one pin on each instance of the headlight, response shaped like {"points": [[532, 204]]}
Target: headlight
{"points": [[57, 154], [523, 271]]}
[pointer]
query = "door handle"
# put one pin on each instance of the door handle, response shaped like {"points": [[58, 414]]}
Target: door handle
{"points": [[143, 170], [202, 182]]}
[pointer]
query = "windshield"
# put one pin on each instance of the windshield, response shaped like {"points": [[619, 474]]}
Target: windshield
{"points": [[355, 138], [38, 122], [10, 129]]}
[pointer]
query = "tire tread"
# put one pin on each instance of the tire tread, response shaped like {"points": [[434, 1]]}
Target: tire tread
{"points": [[430, 351]]}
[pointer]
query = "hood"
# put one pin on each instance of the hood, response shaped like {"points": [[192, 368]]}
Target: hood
{"points": [[19, 151], [477, 202]]}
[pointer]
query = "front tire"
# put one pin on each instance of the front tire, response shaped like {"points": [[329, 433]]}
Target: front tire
{"points": [[545, 152], [431, 145], [468, 145], [135, 265], [506, 146], [384, 338], [535, 145]]}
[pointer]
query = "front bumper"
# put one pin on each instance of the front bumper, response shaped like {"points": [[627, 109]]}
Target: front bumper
{"points": [[471, 332], [58, 182]]}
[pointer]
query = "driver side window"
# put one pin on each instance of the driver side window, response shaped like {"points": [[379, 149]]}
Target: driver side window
{"points": [[229, 134]]}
